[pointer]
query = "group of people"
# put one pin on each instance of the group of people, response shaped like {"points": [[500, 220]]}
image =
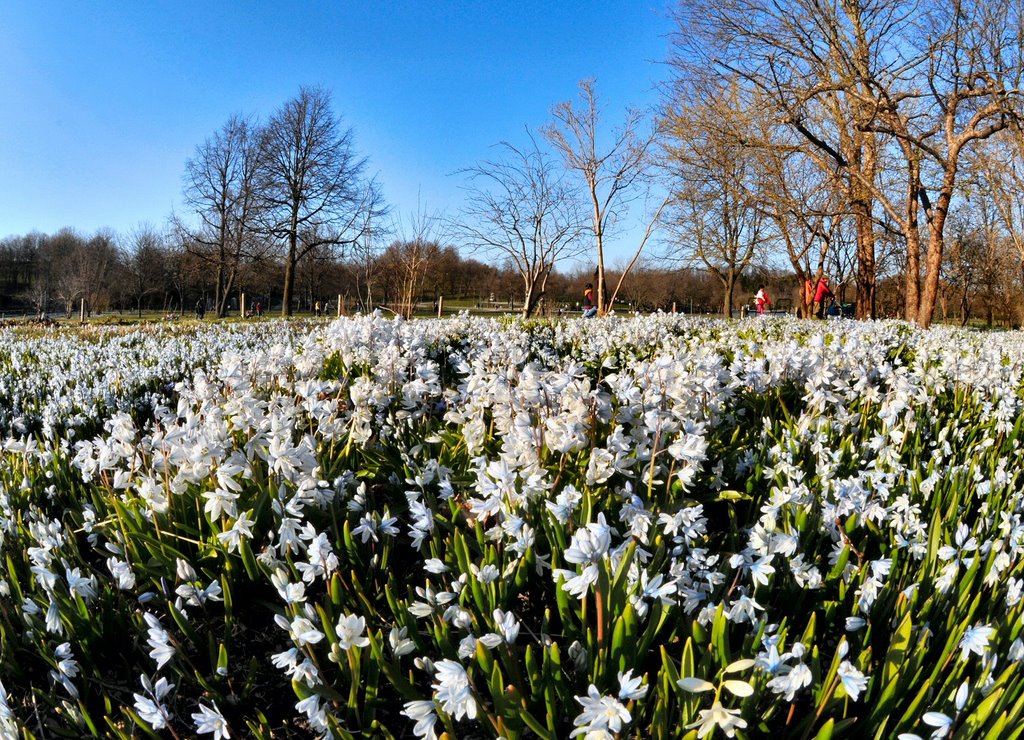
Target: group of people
{"points": [[815, 295]]}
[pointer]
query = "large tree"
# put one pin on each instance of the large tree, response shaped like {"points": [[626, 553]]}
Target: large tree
{"points": [[311, 182], [864, 81], [815, 63], [520, 211], [963, 90]]}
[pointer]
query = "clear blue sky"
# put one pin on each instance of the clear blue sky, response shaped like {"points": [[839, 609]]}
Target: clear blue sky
{"points": [[102, 102]]}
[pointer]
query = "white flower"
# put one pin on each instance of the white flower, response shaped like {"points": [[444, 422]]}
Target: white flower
{"points": [[400, 643], [729, 720], [123, 572], [590, 543], [1016, 651], [78, 585], [630, 687], [486, 574], [578, 585], [350, 632], [975, 640], [939, 721], [242, 528], [452, 690], [854, 623], [564, 504], [304, 633], [209, 720], [599, 713], [853, 680], [507, 625], [67, 668], [791, 682], [159, 640], [150, 709], [312, 707], [436, 566], [424, 713]]}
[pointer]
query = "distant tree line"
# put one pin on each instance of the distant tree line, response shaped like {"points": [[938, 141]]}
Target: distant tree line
{"points": [[148, 270]]}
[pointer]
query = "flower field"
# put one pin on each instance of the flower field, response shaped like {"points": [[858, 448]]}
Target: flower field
{"points": [[656, 527]]}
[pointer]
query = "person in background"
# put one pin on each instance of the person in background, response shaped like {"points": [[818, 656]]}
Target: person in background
{"points": [[761, 300], [316, 309], [589, 307], [821, 292], [808, 298]]}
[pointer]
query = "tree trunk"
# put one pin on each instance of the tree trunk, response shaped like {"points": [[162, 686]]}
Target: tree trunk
{"points": [[936, 243], [862, 200], [529, 302], [599, 237], [289, 274], [729, 282], [289, 281]]}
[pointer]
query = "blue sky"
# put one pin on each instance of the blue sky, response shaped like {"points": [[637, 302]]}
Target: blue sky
{"points": [[102, 102]]}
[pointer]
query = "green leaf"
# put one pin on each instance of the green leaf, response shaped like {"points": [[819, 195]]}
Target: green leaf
{"points": [[825, 733]]}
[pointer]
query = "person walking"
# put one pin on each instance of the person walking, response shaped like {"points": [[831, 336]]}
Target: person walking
{"points": [[316, 309], [761, 300], [200, 309], [821, 292], [589, 308]]}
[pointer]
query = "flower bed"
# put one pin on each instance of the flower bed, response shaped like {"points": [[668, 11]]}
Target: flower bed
{"points": [[655, 527]]}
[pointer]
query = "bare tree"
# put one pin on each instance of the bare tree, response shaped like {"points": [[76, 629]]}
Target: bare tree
{"points": [[610, 175], [716, 209], [408, 258], [855, 78], [220, 188], [143, 264], [365, 252], [311, 185], [964, 89], [807, 209], [819, 65], [519, 210]]}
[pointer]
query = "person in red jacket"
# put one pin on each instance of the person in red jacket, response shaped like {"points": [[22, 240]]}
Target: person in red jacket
{"points": [[761, 300], [821, 292]]}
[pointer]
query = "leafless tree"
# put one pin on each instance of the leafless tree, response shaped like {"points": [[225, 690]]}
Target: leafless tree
{"points": [[807, 211], [963, 90], [220, 188], [862, 80], [816, 64], [716, 212], [365, 251], [409, 257], [611, 175], [519, 210], [311, 182], [143, 264]]}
